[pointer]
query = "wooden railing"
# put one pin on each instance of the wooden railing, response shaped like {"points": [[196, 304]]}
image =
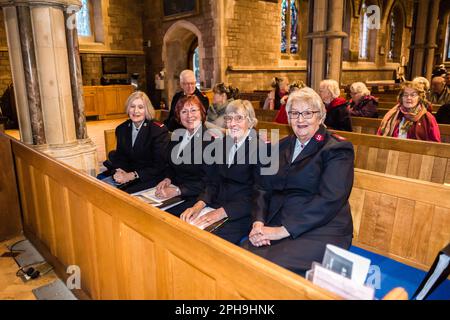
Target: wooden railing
{"points": [[127, 249]]}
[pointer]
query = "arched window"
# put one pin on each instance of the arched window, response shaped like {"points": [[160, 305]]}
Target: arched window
{"points": [[447, 41], [84, 21], [289, 26], [364, 33], [395, 34]]}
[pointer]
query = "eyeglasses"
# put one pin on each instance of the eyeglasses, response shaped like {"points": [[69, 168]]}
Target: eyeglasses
{"points": [[411, 95], [186, 111], [304, 114], [238, 118]]}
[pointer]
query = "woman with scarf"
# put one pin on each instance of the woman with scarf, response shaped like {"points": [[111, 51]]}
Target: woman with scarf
{"points": [[223, 95], [338, 117], [410, 119]]}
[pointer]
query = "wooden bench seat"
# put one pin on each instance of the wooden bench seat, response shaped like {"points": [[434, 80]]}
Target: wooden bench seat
{"points": [[127, 249]]}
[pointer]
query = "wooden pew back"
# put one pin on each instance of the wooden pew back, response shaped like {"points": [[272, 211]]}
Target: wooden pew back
{"points": [[404, 219], [127, 249], [371, 125]]}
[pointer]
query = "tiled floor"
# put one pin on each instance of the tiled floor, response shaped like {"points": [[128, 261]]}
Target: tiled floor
{"points": [[11, 286], [95, 132]]}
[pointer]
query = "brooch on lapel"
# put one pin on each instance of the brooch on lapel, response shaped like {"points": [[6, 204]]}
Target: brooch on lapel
{"points": [[145, 124], [319, 137]]}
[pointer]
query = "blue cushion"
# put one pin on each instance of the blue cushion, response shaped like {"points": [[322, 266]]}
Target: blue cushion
{"points": [[395, 274]]}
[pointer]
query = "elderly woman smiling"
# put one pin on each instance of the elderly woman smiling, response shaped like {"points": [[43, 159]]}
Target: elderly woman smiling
{"points": [[304, 206]]}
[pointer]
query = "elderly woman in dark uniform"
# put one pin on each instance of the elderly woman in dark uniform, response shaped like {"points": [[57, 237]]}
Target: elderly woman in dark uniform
{"points": [[304, 207], [230, 180], [185, 173], [140, 157]]}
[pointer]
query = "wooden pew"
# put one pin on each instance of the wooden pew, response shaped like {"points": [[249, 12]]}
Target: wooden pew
{"points": [[129, 250], [265, 115], [370, 126], [422, 160]]}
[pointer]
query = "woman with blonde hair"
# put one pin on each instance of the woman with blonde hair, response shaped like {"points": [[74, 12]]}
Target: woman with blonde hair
{"points": [[140, 157], [410, 119]]}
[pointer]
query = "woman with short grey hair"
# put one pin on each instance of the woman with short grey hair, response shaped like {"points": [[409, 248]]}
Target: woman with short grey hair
{"points": [[338, 117], [362, 103], [304, 206]]}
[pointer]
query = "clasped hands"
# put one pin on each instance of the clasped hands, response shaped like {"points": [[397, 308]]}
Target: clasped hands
{"points": [[122, 176], [261, 235], [190, 215], [164, 190]]}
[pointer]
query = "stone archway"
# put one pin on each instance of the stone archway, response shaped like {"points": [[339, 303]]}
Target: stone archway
{"points": [[176, 45]]}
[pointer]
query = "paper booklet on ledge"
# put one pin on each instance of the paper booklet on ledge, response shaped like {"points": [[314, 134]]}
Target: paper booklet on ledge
{"points": [[343, 273], [148, 196]]}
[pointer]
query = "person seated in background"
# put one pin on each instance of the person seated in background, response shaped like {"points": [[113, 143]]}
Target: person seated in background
{"points": [[304, 206], [409, 119], [443, 114], [223, 95], [188, 86], [425, 84], [230, 181], [281, 116], [278, 95], [140, 159], [185, 173], [338, 116], [362, 103], [447, 79], [440, 94]]}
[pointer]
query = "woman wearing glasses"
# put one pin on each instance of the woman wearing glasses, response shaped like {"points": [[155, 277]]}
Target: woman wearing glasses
{"points": [[304, 206], [409, 119], [230, 180], [185, 174]]}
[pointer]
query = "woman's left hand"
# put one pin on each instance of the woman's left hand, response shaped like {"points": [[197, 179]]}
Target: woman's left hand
{"points": [[123, 177], [210, 218], [266, 234]]}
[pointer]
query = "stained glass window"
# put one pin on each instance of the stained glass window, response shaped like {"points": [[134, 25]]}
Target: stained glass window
{"points": [[294, 25], [364, 33], [289, 26], [84, 20], [391, 53], [196, 64], [448, 38], [284, 17]]}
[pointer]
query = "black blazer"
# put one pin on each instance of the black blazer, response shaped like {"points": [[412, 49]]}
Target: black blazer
{"points": [[148, 156], [338, 118], [188, 172], [171, 122], [233, 187], [309, 197]]}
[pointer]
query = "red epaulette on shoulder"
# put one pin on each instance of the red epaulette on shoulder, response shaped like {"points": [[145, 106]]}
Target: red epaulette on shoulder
{"points": [[159, 124], [338, 137]]}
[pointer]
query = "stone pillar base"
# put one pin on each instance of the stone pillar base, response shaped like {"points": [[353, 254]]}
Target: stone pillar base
{"points": [[82, 155]]}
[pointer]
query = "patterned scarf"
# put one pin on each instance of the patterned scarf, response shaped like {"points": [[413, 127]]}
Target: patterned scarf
{"points": [[394, 116]]}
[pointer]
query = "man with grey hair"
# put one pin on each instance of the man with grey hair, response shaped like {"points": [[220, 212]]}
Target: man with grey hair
{"points": [[188, 84], [440, 93]]}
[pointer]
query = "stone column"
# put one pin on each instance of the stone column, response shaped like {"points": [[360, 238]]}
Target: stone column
{"points": [[316, 65], [325, 56], [76, 80], [418, 49], [334, 50], [53, 81], [431, 45], [18, 74]]}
